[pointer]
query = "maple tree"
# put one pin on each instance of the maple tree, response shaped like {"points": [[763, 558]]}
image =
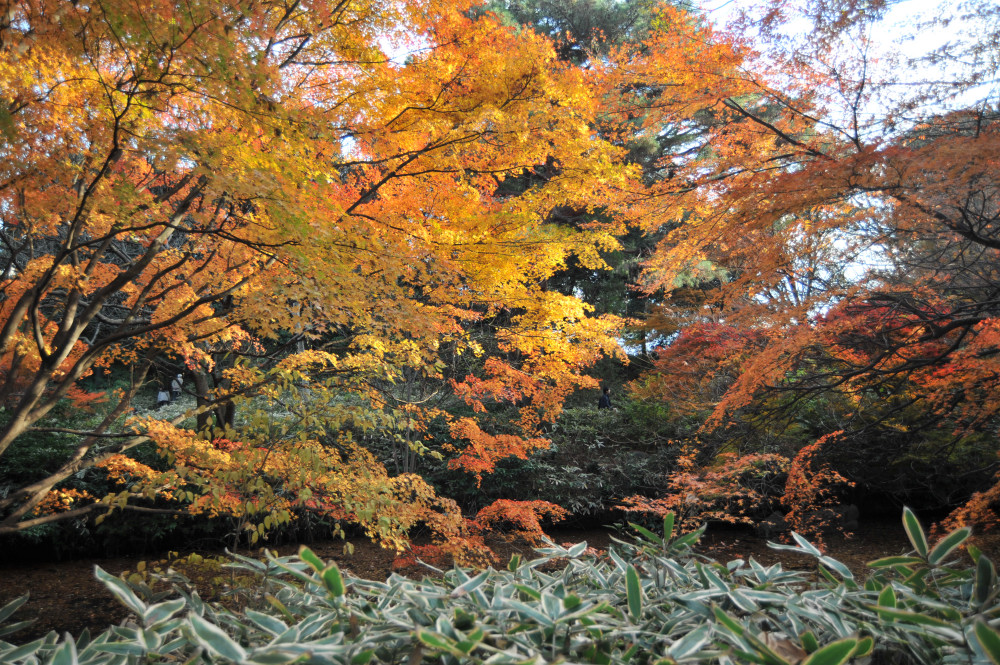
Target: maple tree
{"points": [[351, 217], [194, 181], [735, 489], [833, 226]]}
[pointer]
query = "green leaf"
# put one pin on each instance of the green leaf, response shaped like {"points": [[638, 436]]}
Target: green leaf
{"points": [[633, 591], [916, 579], [989, 639], [728, 621], [121, 591], [120, 648], [435, 641], [471, 642], [572, 601], [742, 601], [827, 575], [865, 646], [619, 562], [22, 652], [333, 580], [809, 641], [154, 614], [915, 532], [463, 620], [889, 561], [529, 612], [278, 605], [690, 643], [266, 622], [12, 628], [11, 607], [269, 656], [470, 584], [905, 616], [834, 653], [948, 544], [986, 576], [514, 563], [668, 527], [887, 597], [600, 658], [214, 639], [649, 535], [528, 591], [806, 545], [709, 576], [689, 539], [837, 567], [363, 658], [64, 655], [310, 557]]}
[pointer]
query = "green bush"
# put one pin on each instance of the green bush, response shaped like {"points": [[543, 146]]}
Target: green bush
{"points": [[652, 601], [596, 458]]}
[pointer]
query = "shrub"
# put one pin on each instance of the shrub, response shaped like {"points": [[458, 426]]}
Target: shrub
{"points": [[737, 490], [651, 601], [596, 457]]}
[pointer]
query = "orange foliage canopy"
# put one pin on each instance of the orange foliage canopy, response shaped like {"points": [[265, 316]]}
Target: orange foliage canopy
{"points": [[187, 179], [837, 208]]}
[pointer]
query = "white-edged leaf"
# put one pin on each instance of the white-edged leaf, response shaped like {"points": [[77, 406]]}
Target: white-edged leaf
{"points": [[835, 653], [215, 640], [633, 591], [914, 532], [65, 654], [266, 622], [690, 643], [21, 652], [121, 591], [989, 640], [11, 607], [948, 544], [471, 584], [154, 614]]}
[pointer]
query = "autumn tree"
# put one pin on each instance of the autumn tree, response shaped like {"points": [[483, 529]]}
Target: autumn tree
{"points": [[601, 37], [845, 217], [196, 180]]}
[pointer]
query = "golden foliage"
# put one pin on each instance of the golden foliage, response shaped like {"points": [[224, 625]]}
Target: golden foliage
{"points": [[193, 181]]}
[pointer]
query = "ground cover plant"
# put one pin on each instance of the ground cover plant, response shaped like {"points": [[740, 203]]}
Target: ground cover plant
{"points": [[650, 600]]}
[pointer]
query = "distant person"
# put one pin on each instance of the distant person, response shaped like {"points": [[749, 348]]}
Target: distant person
{"points": [[605, 401], [162, 397], [175, 387]]}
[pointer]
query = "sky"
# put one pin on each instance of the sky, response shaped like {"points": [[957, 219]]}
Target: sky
{"points": [[898, 48], [897, 33]]}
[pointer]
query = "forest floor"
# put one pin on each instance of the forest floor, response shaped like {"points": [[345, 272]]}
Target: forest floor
{"points": [[66, 597]]}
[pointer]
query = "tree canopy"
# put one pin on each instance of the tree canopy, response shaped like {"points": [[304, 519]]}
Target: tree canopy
{"points": [[339, 218]]}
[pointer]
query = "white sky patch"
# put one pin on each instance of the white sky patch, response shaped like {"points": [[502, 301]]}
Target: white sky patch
{"points": [[905, 42]]}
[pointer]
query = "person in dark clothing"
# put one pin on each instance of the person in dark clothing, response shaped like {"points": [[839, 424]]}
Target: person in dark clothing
{"points": [[605, 401]]}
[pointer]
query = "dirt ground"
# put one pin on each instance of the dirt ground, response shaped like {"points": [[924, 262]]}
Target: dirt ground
{"points": [[65, 596]]}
